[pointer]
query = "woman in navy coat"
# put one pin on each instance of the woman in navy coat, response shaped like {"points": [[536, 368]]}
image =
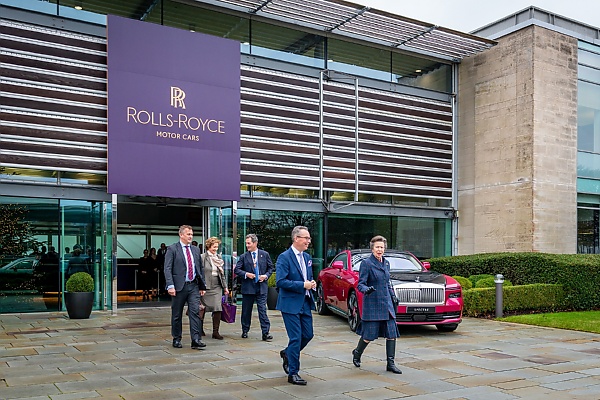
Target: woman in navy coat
{"points": [[378, 311]]}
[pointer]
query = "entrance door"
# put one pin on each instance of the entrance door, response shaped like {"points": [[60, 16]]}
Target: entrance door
{"points": [[222, 224]]}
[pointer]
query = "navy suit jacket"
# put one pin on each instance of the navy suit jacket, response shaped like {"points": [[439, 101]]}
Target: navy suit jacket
{"points": [[176, 268], [290, 282], [246, 264], [378, 305]]}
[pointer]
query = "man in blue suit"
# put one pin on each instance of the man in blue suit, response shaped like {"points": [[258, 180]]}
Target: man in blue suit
{"points": [[254, 268], [295, 301], [184, 276]]}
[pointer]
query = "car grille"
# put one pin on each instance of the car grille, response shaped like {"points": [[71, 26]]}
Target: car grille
{"points": [[424, 295], [436, 317]]}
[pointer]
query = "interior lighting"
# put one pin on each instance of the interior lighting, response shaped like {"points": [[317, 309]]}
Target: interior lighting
{"points": [[78, 6], [418, 71]]}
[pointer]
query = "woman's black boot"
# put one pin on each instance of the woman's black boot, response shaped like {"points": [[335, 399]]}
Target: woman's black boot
{"points": [[390, 351], [357, 352]]}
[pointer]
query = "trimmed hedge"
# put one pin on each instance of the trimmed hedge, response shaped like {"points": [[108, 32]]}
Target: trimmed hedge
{"points": [[465, 283], [476, 278], [538, 297], [579, 274], [490, 282]]}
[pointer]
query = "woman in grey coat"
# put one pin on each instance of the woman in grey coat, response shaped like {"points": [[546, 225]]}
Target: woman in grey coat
{"points": [[378, 311], [216, 284]]}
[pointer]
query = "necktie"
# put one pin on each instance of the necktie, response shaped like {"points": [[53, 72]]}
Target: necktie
{"points": [[190, 272], [256, 271], [303, 267]]}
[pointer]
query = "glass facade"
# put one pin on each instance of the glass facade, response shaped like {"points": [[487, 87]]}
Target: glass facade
{"points": [[588, 146], [275, 41], [42, 242]]}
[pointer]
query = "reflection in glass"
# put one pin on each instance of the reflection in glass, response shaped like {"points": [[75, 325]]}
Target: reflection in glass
{"points": [[287, 44], [588, 223]]}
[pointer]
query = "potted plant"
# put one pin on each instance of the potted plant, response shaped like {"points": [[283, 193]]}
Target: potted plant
{"points": [[79, 295], [272, 293]]}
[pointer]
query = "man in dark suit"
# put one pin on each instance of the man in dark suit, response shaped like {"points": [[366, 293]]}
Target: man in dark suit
{"points": [[184, 278], [254, 268], [295, 301]]}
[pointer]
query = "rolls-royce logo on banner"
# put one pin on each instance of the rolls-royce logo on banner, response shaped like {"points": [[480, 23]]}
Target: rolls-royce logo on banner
{"points": [[187, 125], [177, 96], [171, 122]]}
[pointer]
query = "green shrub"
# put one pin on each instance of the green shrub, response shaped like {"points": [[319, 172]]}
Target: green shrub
{"points": [[490, 282], [465, 283], [80, 282], [579, 274], [272, 282], [476, 278], [539, 297]]}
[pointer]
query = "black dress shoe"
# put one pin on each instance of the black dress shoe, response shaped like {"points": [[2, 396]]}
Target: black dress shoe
{"points": [[177, 343], [244, 335], [198, 345], [285, 365], [296, 380], [266, 337]]}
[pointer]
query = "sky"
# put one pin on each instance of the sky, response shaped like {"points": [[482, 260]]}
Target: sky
{"points": [[468, 15]]}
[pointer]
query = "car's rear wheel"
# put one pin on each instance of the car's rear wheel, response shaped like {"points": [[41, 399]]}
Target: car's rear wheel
{"points": [[322, 308], [447, 327], [353, 313]]}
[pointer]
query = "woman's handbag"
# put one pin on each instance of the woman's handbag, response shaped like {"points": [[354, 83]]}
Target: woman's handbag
{"points": [[229, 308]]}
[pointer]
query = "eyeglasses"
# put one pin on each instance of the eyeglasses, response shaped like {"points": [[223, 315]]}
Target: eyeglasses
{"points": [[305, 237]]}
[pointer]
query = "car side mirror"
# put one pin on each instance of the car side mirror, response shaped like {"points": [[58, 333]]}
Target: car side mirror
{"points": [[426, 265], [338, 264]]}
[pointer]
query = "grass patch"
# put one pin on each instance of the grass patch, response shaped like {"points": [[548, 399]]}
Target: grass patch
{"points": [[585, 321]]}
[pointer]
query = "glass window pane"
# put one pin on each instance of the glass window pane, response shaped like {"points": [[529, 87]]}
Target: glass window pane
{"points": [[589, 74], [588, 238], [198, 19], [588, 117], [421, 72], [358, 59], [131, 246], [287, 44]]}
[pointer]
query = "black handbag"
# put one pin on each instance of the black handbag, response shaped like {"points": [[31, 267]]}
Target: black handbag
{"points": [[395, 300]]}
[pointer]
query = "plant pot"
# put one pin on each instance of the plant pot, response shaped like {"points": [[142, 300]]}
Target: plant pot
{"points": [[79, 304], [272, 298]]}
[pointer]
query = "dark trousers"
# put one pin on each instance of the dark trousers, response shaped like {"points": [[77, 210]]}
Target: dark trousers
{"points": [[190, 294], [248, 301], [299, 329]]}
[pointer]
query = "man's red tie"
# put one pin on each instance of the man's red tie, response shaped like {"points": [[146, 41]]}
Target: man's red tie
{"points": [[190, 265]]}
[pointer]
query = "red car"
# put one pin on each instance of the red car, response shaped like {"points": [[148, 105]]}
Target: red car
{"points": [[426, 297]]}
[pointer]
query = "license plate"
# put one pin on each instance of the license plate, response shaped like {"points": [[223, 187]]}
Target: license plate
{"points": [[420, 310]]}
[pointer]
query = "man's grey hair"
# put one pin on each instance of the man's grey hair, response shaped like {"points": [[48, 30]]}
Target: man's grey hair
{"points": [[184, 227], [253, 238], [296, 231]]}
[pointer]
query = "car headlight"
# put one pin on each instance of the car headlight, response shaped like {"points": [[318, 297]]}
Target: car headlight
{"points": [[455, 295]]}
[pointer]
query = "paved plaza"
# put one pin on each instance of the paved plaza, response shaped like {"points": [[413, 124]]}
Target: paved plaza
{"points": [[129, 356]]}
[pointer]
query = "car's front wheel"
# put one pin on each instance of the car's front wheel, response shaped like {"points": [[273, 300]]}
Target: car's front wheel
{"points": [[353, 313], [447, 327], [322, 308]]}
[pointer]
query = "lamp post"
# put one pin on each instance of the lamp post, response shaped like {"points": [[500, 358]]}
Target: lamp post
{"points": [[499, 306]]}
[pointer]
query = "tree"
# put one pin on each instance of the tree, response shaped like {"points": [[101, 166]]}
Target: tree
{"points": [[16, 237]]}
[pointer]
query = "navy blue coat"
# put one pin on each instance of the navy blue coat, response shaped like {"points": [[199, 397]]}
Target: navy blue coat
{"points": [[378, 305], [246, 264], [290, 282]]}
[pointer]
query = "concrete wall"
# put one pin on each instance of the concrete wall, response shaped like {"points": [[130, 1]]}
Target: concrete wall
{"points": [[517, 145]]}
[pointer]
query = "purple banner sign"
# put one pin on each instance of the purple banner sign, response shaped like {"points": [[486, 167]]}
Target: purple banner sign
{"points": [[173, 112]]}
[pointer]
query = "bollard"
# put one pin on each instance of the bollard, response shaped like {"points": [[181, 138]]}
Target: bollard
{"points": [[499, 306]]}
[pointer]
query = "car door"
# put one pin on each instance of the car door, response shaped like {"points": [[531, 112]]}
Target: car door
{"points": [[343, 282], [328, 278]]}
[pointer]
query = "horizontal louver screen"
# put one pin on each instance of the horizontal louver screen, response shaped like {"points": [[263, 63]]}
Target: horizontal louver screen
{"points": [[53, 111]]}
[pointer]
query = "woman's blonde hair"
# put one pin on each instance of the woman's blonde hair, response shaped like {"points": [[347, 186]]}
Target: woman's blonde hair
{"points": [[210, 242]]}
